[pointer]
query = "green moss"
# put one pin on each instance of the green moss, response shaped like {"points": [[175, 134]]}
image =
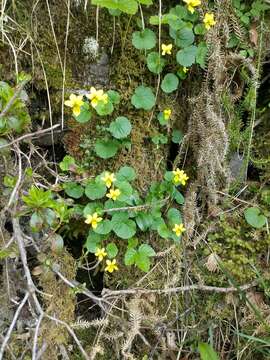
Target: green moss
{"points": [[239, 247]]}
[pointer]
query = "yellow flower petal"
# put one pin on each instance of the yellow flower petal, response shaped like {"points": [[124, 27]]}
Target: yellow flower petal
{"points": [[76, 110]]}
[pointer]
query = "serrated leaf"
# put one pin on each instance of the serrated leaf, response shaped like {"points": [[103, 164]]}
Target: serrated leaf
{"points": [[201, 54], [132, 243]]}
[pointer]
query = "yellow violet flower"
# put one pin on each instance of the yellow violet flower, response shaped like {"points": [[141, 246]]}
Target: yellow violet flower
{"points": [[185, 69], [179, 229], [100, 253], [191, 4], [97, 95], [75, 102], [166, 49], [111, 266], [108, 178], [180, 177], [209, 20], [113, 194], [167, 114], [93, 220]]}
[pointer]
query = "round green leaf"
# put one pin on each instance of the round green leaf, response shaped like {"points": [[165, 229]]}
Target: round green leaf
{"points": [[200, 29], [155, 63], [144, 40], [254, 217], [36, 222], [178, 197], [184, 37], [112, 250], [120, 128], [66, 163], [123, 226], [129, 7], [114, 96], [163, 230], [73, 190], [146, 250], [104, 109], [126, 173], [91, 208], [186, 57], [142, 262], [111, 204], [95, 190], [85, 115], [177, 136], [93, 241], [143, 98], [104, 227], [126, 190], [106, 148], [174, 216], [169, 83]]}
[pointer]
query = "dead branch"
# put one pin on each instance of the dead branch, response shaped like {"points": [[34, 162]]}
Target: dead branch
{"points": [[30, 135], [106, 293], [12, 325]]}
